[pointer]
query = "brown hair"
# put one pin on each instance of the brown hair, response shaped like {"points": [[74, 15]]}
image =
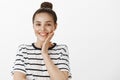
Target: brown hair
{"points": [[46, 7]]}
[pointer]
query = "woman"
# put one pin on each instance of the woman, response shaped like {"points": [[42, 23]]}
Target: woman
{"points": [[42, 60]]}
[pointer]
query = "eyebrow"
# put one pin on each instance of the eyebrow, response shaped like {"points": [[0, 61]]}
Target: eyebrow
{"points": [[40, 22]]}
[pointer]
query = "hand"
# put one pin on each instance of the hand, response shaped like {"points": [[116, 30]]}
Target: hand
{"points": [[46, 43]]}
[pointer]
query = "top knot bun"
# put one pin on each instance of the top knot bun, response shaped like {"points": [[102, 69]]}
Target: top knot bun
{"points": [[46, 5]]}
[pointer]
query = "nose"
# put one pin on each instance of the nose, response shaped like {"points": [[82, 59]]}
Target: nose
{"points": [[42, 28]]}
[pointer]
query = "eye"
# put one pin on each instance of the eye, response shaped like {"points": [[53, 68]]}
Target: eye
{"points": [[48, 24], [38, 24]]}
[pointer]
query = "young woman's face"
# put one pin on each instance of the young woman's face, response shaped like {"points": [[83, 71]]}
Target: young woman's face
{"points": [[43, 25]]}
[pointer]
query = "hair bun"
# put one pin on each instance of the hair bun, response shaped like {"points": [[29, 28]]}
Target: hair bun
{"points": [[46, 5]]}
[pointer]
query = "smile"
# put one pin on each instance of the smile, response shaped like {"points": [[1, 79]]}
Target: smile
{"points": [[43, 34]]}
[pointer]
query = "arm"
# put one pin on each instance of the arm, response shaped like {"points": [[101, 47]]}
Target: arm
{"points": [[53, 70], [19, 76]]}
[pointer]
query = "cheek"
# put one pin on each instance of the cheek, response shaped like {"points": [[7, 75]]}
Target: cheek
{"points": [[35, 30], [50, 30]]}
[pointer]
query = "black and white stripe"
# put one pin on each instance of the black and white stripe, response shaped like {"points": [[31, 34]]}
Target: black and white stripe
{"points": [[30, 61]]}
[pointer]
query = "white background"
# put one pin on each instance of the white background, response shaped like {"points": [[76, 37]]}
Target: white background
{"points": [[90, 28]]}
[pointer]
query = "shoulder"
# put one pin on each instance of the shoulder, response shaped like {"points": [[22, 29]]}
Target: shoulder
{"points": [[24, 46], [63, 47]]}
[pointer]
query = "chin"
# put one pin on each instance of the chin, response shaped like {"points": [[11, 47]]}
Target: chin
{"points": [[41, 39]]}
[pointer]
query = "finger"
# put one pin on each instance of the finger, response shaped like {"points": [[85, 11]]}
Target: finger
{"points": [[50, 36]]}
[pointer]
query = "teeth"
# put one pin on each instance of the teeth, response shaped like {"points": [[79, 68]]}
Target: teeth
{"points": [[43, 34]]}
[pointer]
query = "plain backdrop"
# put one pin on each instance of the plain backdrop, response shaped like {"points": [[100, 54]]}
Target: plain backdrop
{"points": [[90, 28]]}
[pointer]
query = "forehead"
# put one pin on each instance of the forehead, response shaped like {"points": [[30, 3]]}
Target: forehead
{"points": [[43, 17]]}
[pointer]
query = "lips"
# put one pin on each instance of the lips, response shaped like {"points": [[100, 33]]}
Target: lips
{"points": [[43, 34]]}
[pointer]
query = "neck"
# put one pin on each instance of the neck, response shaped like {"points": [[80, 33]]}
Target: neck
{"points": [[40, 43]]}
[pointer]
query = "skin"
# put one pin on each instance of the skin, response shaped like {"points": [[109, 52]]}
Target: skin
{"points": [[44, 28]]}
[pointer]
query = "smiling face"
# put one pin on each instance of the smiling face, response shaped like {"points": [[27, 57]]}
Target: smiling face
{"points": [[43, 25]]}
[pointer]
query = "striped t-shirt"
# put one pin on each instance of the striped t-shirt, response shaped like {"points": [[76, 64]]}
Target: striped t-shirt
{"points": [[30, 61]]}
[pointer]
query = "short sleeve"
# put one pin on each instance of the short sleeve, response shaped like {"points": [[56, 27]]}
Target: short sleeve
{"points": [[19, 64], [64, 60]]}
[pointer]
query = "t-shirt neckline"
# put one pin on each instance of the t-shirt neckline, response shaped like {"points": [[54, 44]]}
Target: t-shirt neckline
{"points": [[33, 44]]}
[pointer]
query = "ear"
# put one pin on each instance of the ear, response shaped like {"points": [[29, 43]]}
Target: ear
{"points": [[55, 26], [33, 26]]}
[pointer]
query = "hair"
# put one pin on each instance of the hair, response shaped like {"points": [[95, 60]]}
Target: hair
{"points": [[46, 7]]}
